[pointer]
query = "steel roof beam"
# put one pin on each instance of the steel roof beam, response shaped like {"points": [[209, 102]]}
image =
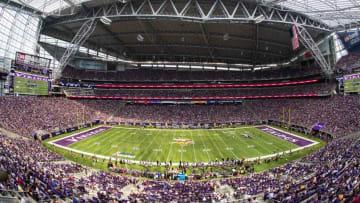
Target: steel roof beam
{"points": [[310, 44], [216, 35], [235, 59], [117, 39], [256, 40], [205, 47], [205, 35], [127, 11], [154, 37], [81, 36], [69, 34], [70, 2]]}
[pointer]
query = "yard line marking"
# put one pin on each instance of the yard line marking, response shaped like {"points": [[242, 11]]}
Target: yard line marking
{"points": [[96, 139], [162, 140], [277, 140], [182, 148], [133, 137], [193, 145], [237, 143], [214, 143], [247, 143], [171, 145], [273, 140], [130, 135], [181, 159], [125, 145], [112, 138], [205, 147], [105, 135], [122, 134], [260, 145], [227, 147], [146, 149]]}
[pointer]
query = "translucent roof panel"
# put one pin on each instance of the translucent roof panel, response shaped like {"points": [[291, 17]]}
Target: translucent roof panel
{"points": [[331, 12], [49, 6]]}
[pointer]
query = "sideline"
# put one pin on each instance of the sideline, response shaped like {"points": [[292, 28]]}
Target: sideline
{"points": [[195, 129]]}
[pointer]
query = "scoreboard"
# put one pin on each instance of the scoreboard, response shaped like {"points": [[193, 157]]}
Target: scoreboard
{"points": [[352, 83], [29, 84]]}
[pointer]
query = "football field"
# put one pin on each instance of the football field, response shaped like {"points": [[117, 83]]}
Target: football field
{"points": [[183, 145]]}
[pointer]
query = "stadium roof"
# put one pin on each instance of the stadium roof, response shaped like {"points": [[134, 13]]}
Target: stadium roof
{"points": [[49, 6], [332, 12], [220, 31], [250, 32]]}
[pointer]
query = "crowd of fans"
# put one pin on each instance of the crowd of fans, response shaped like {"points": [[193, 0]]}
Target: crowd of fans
{"points": [[25, 115], [142, 75], [338, 113], [43, 178], [311, 179], [329, 175], [349, 62]]}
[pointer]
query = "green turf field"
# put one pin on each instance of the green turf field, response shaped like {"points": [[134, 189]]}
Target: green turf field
{"points": [[352, 85], [30, 87], [183, 145]]}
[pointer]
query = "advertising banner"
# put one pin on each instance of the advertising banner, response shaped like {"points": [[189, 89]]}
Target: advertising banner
{"points": [[350, 39]]}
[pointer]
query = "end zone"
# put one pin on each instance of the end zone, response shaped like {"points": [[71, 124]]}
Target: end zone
{"points": [[289, 137], [66, 141]]}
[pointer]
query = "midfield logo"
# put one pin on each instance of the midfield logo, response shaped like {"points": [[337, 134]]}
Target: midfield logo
{"points": [[183, 142]]}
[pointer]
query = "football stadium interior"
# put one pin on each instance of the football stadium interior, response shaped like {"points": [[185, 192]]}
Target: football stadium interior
{"points": [[179, 101]]}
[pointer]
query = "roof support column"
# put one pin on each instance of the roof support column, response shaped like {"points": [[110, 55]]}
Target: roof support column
{"points": [[80, 37], [256, 40], [309, 43]]}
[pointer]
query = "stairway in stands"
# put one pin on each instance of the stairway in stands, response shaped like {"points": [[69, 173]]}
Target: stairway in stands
{"points": [[252, 112], [116, 113], [13, 196], [77, 91]]}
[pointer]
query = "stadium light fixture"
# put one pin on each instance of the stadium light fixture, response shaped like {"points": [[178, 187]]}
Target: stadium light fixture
{"points": [[105, 20], [294, 59], [259, 19], [140, 38], [226, 36]]}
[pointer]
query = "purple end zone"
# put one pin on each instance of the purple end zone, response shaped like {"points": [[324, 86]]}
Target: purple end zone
{"points": [[78, 137], [285, 136]]}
